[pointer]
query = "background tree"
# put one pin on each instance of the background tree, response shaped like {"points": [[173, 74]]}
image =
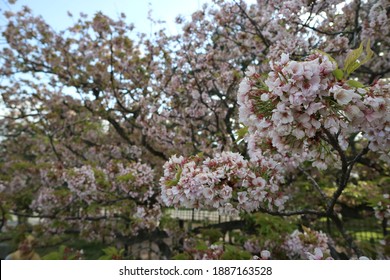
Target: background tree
{"points": [[93, 112]]}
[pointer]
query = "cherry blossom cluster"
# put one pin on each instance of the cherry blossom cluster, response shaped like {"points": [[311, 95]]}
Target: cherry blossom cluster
{"points": [[254, 248], [309, 244], [317, 255], [142, 218], [93, 198], [90, 184], [283, 110], [82, 182], [146, 218], [80, 186], [377, 22], [293, 115], [226, 182], [48, 200], [51, 194], [135, 180], [371, 116], [94, 231]]}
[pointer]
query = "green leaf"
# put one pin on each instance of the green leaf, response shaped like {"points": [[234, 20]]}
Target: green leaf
{"points": [[354, 60], [213, 235], [235, 253], [355, 65], [350, 63], [200, 154], [126, 178], [171, 183], [174, 182], [242, 132], [201, 246], [338, 74], [355, 84], [110, 251]]}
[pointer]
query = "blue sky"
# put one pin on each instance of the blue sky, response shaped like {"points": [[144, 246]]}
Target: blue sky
{"points": [[55, 11]]}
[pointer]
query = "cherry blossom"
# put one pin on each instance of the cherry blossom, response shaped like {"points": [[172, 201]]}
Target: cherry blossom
{"points": [[301, 244], [225, 182]]}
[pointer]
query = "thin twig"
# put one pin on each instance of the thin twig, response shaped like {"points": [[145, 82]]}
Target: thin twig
{"points": [[314, 183]]}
